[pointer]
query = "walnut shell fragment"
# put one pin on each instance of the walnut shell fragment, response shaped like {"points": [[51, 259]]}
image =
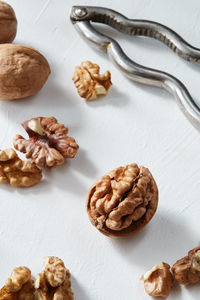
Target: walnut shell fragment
{"points": [[48, 144], [158, 281], [123, 201], [19, 286], [187, 269], [89, 83], [17, 172], [54, 282], [23, 71], [8, 23]]}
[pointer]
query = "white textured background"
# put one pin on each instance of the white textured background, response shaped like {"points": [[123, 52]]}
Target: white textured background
{"points": [[133, 123]]}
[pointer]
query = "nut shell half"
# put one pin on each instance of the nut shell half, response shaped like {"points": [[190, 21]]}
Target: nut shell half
{"points": [[123, 201], [23, 71], [8, 23]]}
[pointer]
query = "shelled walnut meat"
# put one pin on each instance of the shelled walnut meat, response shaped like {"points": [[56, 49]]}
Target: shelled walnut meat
{"points": [[17, 172], [8, 23], [54, 282], [158, 281], [48, 144], [23, 71], [187, 269], [123, 201], [19, 286], [89, 83]]}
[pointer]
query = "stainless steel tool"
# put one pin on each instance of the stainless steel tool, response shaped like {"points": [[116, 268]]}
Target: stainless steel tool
{"points": [[81, 16]]}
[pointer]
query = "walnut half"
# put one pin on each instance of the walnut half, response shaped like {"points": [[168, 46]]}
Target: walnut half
{"points": [[17, 172], [123, 201], [158, 281], [19, 286], [54, 282], [187, 269], [48, 144], [89, 83]]}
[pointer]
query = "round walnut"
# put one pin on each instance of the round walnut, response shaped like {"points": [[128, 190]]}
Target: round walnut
{"points": [[8, 23], [123, 201], [23, 71]]}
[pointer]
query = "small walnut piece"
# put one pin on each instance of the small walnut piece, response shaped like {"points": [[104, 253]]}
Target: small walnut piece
{"points": [[54, 282], [19, 286], [89, 83], [8, 23], [187, 269], [17, 172], [123, 201], [158, 281], [48, 144], [23, 73]]}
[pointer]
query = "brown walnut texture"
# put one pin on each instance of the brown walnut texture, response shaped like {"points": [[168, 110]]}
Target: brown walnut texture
{"points": [[17, 172], [89, 83], [123, 201], [48, 144], [19, 286], [187, 269], [23, 71], [8, 23], [158, 281], [54, 282]]}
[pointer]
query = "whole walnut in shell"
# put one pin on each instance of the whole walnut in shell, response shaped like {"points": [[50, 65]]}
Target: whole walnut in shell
{"points": [[8, 23], [123, 201], [23, 71]]}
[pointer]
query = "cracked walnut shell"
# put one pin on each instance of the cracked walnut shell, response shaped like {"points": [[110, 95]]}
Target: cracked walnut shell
{"points": [[48, 144], [89, 83], [54, 282], [158, 281], [123, 201], [8, 23], [19, 286], [187, 269], [17, 172], [23, 71]]}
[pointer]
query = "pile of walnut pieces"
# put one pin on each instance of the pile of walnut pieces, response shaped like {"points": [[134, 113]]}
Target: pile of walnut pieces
{"points": [[48, 146], [159, 280], [52, 284], [123, 201]]}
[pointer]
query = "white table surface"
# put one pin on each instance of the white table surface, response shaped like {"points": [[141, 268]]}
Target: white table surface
{"points": [[133, 123]]}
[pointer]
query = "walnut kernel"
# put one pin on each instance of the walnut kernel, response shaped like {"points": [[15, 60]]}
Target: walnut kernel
{"points": [[89, 83], [158, 281], [187, 269], [17, 172], [123, 201], [48, 144]]}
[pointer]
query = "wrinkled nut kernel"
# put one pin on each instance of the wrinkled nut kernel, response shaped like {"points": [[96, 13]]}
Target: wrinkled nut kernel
{"points": [[187, 269], [23, 73], [19, 286], [48, 144], [17, 172], [123, 201], [158, 281], [8, 23], [89, 83], [54, 282]]}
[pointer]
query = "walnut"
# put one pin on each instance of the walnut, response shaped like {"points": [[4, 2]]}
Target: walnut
{"points": [[17, 172], [89, 83], [187, 269], [8, 23], [54, 282], [158, 281], [19, 286], [123, 201], [24, 71], [48, 144]]}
